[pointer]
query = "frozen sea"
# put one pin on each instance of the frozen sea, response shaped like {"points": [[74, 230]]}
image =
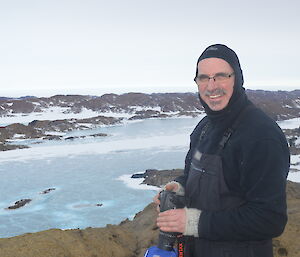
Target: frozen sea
{"points": [[86, 172], [90, 171]]}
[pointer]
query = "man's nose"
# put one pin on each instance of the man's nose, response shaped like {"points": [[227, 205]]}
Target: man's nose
{"points": [[211, 83]]}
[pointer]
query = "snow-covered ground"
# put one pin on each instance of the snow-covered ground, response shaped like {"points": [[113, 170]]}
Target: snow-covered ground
{"points": [[56, 113], [295, 165], [289, 124]]}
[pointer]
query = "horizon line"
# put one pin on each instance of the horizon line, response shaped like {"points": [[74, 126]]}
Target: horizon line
{"points": [[39, 95]]}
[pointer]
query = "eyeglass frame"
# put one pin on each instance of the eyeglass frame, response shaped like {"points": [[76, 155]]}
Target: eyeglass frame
{"points": [[214, 77]]}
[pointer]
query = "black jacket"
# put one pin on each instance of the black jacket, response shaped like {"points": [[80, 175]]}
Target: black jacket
{"points": [[255, 163]]}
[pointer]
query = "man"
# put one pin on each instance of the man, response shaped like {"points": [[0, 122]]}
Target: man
{"points": [[235, 170]]}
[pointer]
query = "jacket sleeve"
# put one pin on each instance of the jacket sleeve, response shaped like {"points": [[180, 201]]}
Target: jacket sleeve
{"points": [[263, 171]]}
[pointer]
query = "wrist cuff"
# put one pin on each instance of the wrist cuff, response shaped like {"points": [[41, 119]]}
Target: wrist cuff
{"points": [[192, 222]]}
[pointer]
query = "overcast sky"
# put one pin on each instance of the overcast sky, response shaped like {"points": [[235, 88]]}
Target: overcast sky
{"points": [[95, 46]]}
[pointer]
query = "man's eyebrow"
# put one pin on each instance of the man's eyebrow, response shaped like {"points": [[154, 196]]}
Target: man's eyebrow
{"points": [[221, 73], [218, 73]]}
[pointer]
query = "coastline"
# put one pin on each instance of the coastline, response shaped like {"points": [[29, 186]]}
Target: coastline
{"points": [[130, 238]]}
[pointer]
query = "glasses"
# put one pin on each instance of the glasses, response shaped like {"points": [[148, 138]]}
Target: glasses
{"points": [[218, 77]]}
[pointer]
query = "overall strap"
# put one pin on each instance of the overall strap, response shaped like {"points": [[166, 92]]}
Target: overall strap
{"points": [[204, 129], [227, 134]]}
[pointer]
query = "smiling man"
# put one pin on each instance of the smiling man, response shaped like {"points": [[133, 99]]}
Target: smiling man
{"points": [[235, 170], [215, 87]]}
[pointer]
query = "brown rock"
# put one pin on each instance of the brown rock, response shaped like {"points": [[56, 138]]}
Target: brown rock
{"points": [[288, 243]]}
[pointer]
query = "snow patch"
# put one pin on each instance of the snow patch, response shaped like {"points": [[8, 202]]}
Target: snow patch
{"points": [[289, 124], [297, 142], [36, 103], [51, 113], [55, 133], [136, 183], [295, 161], [145, 108], [19, 136]]}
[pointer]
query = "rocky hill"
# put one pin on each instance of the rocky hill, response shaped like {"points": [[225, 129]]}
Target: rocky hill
{"points": [[132, 238], [167, 102], [278, 104], [110, 109]]}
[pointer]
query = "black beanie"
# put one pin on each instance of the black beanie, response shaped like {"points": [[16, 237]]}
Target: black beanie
{"points": [[228, 55]]}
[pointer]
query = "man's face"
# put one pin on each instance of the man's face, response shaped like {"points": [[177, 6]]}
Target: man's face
{"points": [[216, 94]]}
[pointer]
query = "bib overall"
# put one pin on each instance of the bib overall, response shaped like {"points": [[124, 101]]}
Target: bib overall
{"points": [[206, 190]]}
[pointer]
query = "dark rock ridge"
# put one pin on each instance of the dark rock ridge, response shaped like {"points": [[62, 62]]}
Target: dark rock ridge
{"points": [[280, 105], [7, 147], [47, 191], [132, 238], [42, 126], [23, 202], [168, 102], [87, 205], [93, 135], [148, 114], [19, 204], [40, 129], [153, 177]]}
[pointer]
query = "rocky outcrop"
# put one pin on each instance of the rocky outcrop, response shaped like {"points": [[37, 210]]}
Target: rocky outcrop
{"points": [[7, 147], [20, 130], [158, 178], [41, 129], [168, 102], [140, 115], [47, 191], [19, 204], [93, 135], [279, 105], [42, 126]]}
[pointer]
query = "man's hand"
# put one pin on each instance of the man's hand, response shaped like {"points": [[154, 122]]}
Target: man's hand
{"points": [[172, 220], [169, 187]]}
